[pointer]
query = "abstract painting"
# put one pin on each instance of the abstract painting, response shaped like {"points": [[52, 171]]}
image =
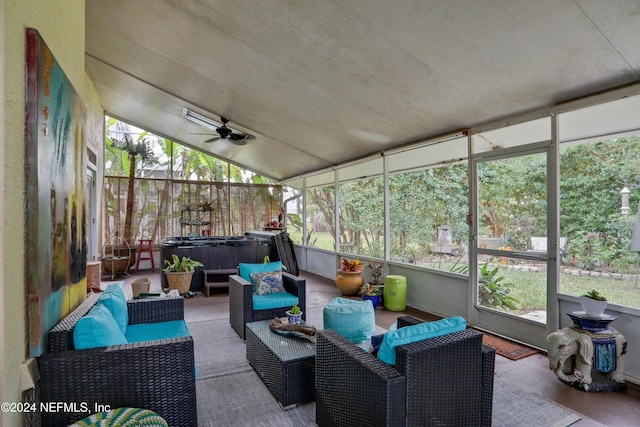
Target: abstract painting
{"points": [[56, 252]]}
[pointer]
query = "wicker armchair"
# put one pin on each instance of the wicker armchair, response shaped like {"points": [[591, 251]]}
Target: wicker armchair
{"points": [[241, 305], [158, 375], [442, 381]]}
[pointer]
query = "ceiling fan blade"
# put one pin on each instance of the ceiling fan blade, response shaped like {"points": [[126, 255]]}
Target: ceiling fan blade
{"points": [[215, 138]]}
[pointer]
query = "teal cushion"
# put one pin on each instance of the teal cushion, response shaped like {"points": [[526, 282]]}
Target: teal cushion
{"points": [[247, 269], [157, 331], [415, 333], [97, 328], [267, 283], [278, 300], [355, 320], [113, 298]]}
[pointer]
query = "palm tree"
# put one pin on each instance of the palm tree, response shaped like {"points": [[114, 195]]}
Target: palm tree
{"points": [[133, 149]]}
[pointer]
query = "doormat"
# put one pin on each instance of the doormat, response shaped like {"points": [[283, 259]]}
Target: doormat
{"points": [[505, 348]]}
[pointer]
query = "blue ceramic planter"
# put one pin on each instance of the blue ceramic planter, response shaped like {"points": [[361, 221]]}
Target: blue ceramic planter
{"points": [[375, 299]]}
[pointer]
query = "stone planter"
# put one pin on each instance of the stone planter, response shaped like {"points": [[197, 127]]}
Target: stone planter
{"points": [[179, 281]]}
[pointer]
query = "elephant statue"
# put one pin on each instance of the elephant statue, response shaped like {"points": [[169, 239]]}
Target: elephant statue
{"points": [[570, 354]]}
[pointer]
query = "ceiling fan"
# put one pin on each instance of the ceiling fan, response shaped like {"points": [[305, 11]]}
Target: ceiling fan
{"points": [[230, 135], [224, 132]]}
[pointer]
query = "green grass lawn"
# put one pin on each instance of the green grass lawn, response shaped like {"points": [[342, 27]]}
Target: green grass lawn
{"points": [[530, 288]]}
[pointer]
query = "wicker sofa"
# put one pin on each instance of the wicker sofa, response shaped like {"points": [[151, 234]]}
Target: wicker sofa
{"points": [[158, 375], [241, 304], [442, 381]]}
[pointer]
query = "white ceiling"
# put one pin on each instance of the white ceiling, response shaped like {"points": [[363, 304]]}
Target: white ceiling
{"points": [[320, 83]]}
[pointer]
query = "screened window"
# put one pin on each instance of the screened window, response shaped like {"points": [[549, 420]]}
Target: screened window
{"points": [[599, 194], [321, 217], [362, 217], [427, 217]]}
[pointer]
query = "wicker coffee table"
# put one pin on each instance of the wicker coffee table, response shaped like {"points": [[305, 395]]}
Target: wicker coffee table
{"points": [[285, 364]]}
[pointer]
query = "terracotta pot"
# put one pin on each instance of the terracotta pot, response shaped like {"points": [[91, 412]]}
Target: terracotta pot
{"points": [[349, 282]]}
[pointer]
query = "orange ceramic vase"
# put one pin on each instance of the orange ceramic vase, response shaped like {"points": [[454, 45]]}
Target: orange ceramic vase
{"points": [[349, 282]]}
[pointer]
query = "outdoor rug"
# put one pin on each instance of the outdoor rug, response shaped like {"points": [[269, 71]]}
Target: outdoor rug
{"points": [[231, 394], [505, 348]]}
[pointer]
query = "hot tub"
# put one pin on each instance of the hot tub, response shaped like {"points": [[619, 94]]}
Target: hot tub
{"points": [[216, 253]]}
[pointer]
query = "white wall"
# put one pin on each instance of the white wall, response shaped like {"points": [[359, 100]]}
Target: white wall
{"points": [[61, 24]]}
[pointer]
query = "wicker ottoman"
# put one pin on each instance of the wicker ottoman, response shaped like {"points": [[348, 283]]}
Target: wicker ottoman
{"points": [[286, 365]]}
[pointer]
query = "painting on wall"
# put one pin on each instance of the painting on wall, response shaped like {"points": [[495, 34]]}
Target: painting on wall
{"points": [[56, 252]]}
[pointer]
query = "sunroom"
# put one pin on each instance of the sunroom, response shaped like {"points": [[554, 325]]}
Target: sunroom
{"points": [[457, 143]]}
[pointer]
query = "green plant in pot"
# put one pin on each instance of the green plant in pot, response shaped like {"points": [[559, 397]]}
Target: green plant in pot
{"points": [[294, 315], [593, 303], [179, 272], [372, 293]]}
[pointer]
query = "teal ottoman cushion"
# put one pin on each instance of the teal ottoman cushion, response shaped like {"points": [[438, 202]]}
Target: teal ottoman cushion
{"points": [[271, 301], [156, 331], [354, 320]]}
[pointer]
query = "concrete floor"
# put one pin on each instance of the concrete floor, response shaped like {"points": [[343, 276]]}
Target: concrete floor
{"points": [[530, 374]]}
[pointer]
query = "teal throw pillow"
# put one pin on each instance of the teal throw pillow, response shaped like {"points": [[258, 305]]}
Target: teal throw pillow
{"points": [[415, 333], [267, 283], [97, 328], [113, 298], [247, 269]]}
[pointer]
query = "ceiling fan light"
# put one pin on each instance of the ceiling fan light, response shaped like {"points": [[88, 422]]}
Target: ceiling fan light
{"points": [[223, 131], [200, 120]]}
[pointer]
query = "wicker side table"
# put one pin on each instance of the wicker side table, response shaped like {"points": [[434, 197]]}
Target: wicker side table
{"points": [[286, 365]]}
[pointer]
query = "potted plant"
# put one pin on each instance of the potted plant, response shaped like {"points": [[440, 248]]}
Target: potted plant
{"points": [[593, 303], [179, 272], [376, 276], [371, 293], [349, 279], [294, 315]]}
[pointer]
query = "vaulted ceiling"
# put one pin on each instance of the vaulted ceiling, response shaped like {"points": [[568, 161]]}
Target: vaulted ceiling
{"points": [[320, 83]]}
